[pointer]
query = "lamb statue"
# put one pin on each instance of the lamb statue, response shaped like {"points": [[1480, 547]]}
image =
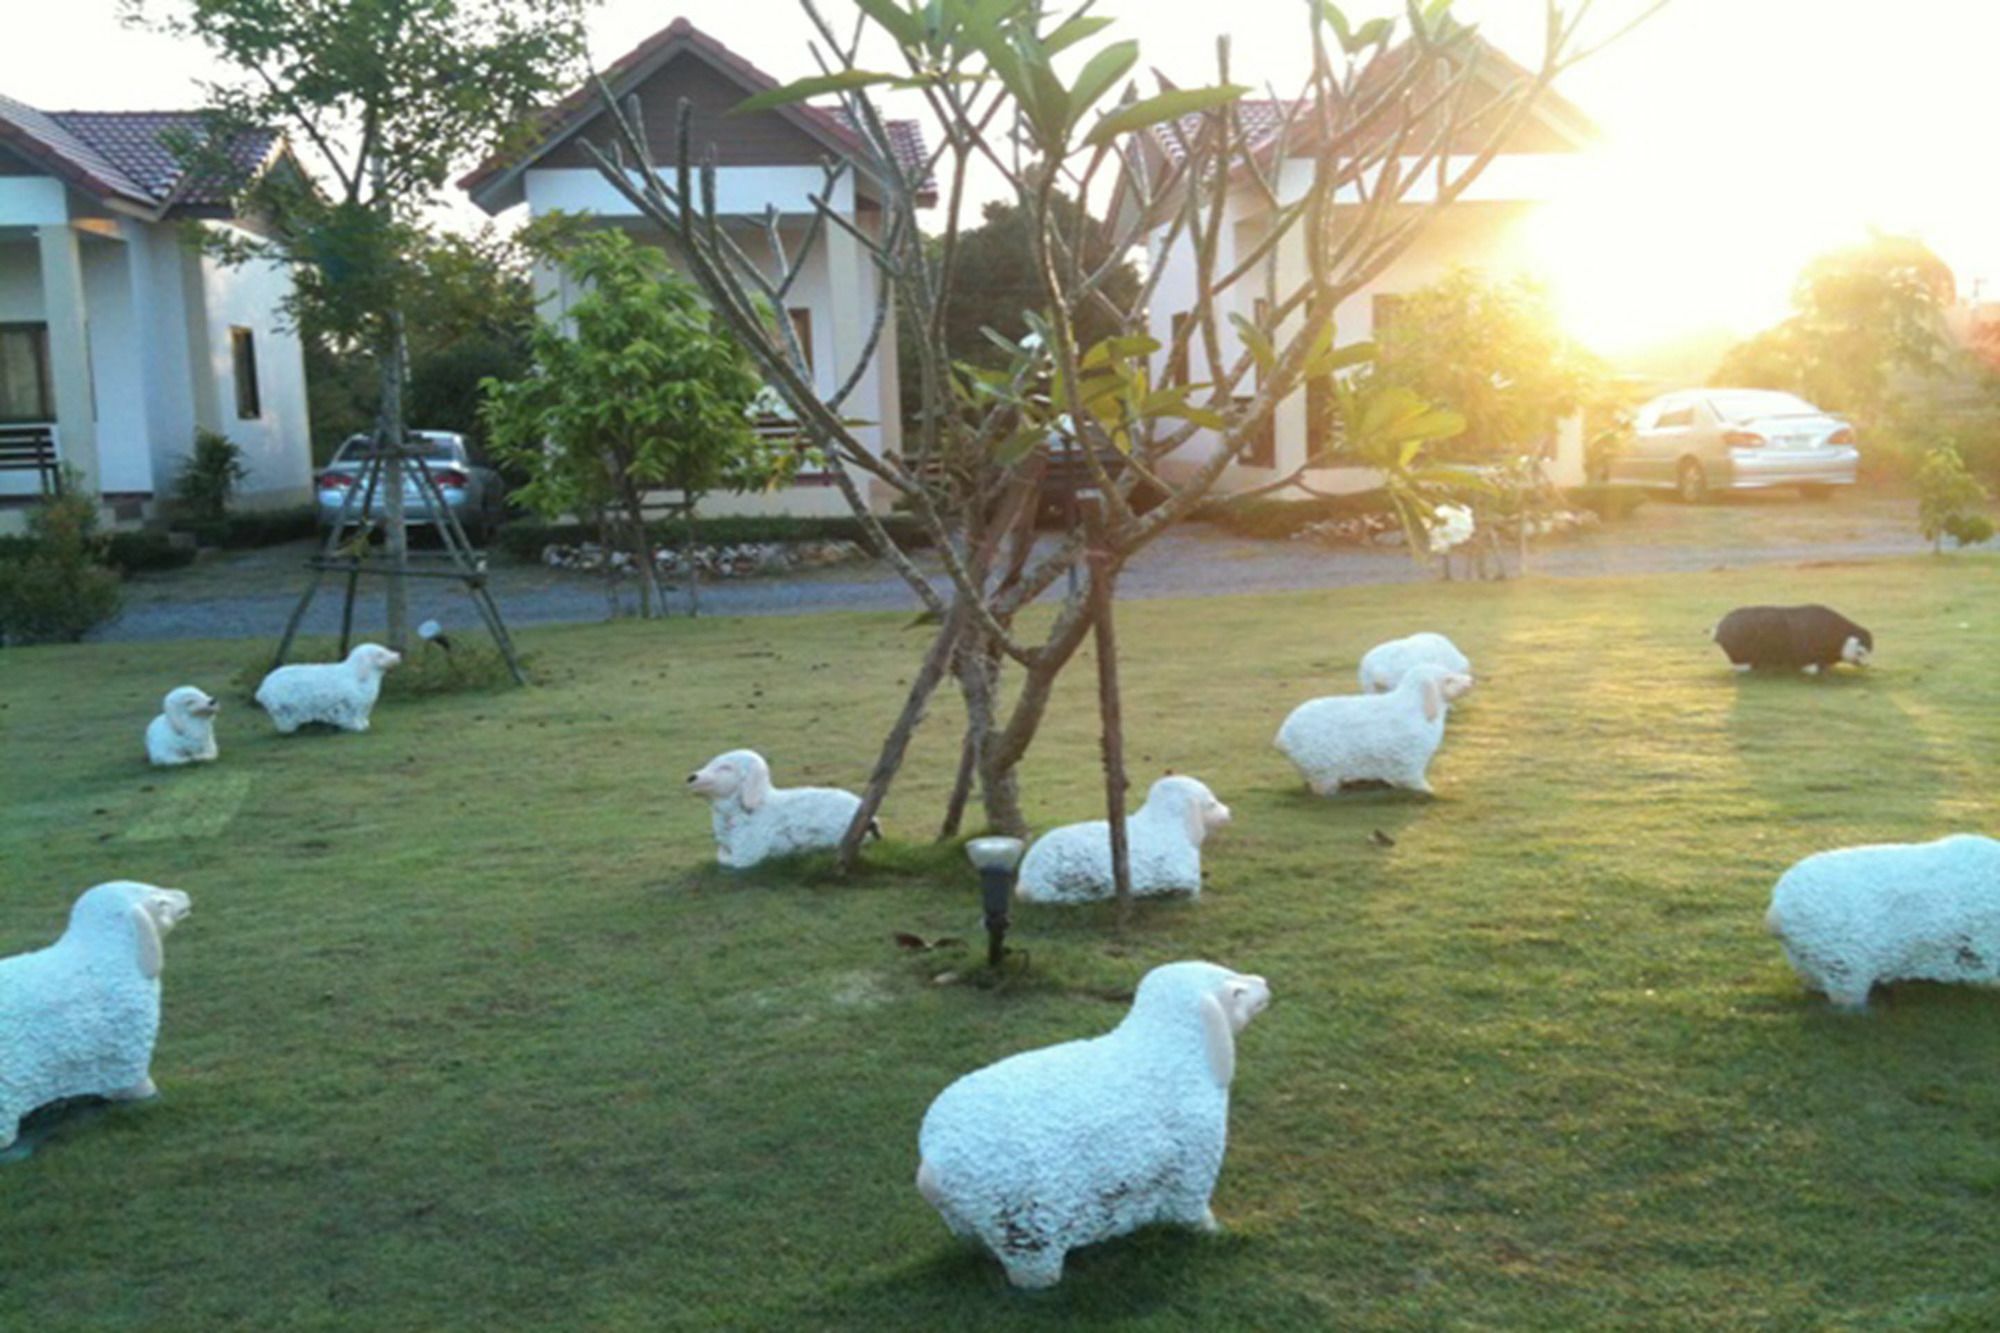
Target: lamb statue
{"points": [[1076, 1143], [78, 1018], [1072, 864], [1854, 918], [1384, 665], [184, 732], [1810, 638], [1373, 737], [755, 821], [340, 694]]}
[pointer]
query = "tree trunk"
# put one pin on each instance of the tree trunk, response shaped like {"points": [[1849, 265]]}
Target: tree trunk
{"points": [[978, 671], [897, 742], [389, 433], [639, 546], [1112, 738], [687, 554]]}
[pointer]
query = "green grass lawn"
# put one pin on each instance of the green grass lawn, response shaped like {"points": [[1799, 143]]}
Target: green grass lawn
{"points": [[467, 1031]]}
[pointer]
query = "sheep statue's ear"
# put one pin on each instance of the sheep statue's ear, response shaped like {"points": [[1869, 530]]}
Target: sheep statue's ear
{"points": [[146, 935], [1219, 1036], [1197, 826], [1433, 699], [756, 786]]}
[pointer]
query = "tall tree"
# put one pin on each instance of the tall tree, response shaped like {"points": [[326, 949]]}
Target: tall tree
{"points": [[1862, 314], [1387, 106], [634, 390], [383, 98]]}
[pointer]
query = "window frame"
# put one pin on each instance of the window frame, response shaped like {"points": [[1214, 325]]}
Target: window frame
{"points": [[243, 370], [38, 331]]}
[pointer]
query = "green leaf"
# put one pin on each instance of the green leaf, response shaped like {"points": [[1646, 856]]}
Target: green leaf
{"points": [[799, 90], [1068, 34], [904, 25], [1163, 107], [1257, 341], [1104, 69]]}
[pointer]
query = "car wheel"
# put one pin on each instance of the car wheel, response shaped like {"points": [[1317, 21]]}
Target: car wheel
{"points": [[1816, 492], [1692, 483]]}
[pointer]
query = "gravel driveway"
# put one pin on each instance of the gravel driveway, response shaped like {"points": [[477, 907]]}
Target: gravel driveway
{"points": [[249, 594]]}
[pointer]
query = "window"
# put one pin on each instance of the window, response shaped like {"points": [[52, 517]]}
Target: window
{"points": [[1382, 312], [1676, 418], [24, 373], [1177, 354], [243, 356], [1323, 424], [1261, 447], [802, 329]]}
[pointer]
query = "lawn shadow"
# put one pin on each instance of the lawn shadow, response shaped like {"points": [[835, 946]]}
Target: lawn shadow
{"points": [[1129, 1277], [1816, 747]]}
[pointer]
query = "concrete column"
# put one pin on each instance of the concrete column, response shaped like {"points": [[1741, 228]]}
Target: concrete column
{"points": [[202, 370], [850, 286], [64, 310]]}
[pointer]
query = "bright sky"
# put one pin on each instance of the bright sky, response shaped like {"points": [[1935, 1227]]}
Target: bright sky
{"points": [[1743, 136]]}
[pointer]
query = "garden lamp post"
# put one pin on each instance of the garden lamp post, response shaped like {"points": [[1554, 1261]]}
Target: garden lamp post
{"points": [[996, 860]]}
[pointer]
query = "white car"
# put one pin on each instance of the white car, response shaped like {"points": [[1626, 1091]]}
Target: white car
{"points": [[1702, 440]]}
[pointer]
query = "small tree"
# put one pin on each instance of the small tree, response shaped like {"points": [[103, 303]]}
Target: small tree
{"points": [[641, 391], [209, 477], [384, 97], [1950, 501]]}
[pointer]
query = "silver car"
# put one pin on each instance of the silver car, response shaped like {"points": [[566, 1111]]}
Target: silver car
{"points": [[1702, 440], [475, 494]]}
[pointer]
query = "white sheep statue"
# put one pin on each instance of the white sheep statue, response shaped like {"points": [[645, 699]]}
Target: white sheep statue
{"points": [[755, 821], [184, 732], [1072, 864], [1373, 737], [340, 694], [78, 1018], [1384, 665], [1857, 917], [1071, 1144]]}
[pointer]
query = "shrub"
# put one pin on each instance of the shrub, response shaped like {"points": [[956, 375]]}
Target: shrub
{"points": [[523, 538], [1609, 502], [134, 552], [60, 590], [269, 527], [209, 477], [1263, 517], [1950, 500]]}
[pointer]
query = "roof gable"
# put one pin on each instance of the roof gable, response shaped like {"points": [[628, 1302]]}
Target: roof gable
{"points": [[680, 61]]}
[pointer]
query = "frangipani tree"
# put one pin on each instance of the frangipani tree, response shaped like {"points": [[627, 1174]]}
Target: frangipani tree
{"points": [[1386, 105]]}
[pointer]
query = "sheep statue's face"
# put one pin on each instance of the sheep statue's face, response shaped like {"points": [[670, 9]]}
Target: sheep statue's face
{"points": [[372, 659], [185, 706], [740, 774], [125, 914], [1198, 806], [1858, 648], [1439, 686], [1222, 1002]]}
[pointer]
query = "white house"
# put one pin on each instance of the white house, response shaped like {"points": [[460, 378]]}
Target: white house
{"points": [[769, 159], [118, 338], [1482, 230]]}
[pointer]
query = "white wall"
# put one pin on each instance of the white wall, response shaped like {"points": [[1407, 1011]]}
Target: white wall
{"points": [[277, 445], [124, 444]]}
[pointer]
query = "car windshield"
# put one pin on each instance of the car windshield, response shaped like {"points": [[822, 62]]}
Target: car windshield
{"points": [[359, 447], [1755, 404]]}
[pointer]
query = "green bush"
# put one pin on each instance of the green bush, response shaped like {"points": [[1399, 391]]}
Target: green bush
{"points": [[209, 477], [1612, 503], [134, 552], [524, 538], [1264, 517], [60, 590], [265, 527]]}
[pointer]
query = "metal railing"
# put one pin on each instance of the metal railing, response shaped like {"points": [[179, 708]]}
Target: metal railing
{"points": [[32, 447]]}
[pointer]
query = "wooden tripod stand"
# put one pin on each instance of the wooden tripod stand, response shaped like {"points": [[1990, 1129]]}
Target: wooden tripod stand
{"points": [[347, 551]]}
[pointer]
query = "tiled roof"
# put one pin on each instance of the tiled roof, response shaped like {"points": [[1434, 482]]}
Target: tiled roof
{"points": [[126, 154], [565, 117], [906, 141]]}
